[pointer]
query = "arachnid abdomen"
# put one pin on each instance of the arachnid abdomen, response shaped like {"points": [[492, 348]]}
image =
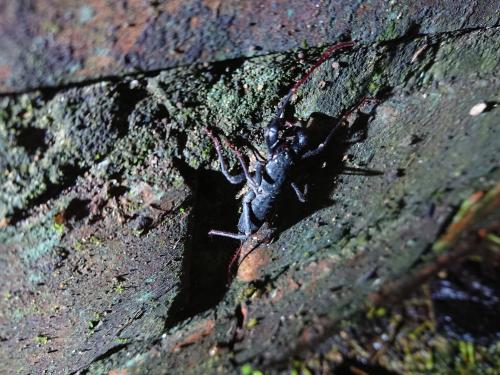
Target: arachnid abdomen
{"points": [[274, 177]]}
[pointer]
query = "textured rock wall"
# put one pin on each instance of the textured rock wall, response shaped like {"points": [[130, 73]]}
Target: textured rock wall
{"points": [[110, 187], [53, 42]]}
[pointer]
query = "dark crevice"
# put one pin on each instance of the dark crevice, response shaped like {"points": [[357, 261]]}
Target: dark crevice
{"points": [[128, 100], [32, 139], [413, 34], [49, 91], [215, 207], [226, 67], [77, 210]]}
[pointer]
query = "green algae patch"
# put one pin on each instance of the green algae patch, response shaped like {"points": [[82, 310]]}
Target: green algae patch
{"points": [[42, 339], [247, 369]]}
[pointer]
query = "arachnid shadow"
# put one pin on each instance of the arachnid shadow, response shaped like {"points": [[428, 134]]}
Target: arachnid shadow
{"points": [[322, 172], [292, 178]]}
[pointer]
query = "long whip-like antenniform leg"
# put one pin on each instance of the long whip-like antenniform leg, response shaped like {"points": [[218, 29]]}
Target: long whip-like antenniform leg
{"points": [[329, 52], [320, 61], [273, 128]]}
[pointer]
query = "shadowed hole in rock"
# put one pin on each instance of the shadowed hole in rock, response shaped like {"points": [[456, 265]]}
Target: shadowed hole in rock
{"points": [[128, 101], [77, 210], [215, 207], [226, 67], [32, 139], [117, 190]]}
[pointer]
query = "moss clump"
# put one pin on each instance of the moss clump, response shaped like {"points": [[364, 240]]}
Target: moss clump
{"points": [[42, 339]]}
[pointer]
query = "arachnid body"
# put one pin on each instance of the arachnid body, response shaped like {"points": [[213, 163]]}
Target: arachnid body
{"points": [[288, 147]]}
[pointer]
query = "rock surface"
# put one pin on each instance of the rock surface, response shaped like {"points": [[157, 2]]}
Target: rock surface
{"points": [[110, 187], [53, 42]]}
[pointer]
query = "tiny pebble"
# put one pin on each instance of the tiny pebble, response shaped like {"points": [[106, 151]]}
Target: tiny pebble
{"points": [[134, 84], [377, 345], [213, 351], [478, 109]]}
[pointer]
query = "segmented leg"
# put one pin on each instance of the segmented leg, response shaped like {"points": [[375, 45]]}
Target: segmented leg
{"points": [[318, 150], [256, 153], [251, 182], [245, 221], [236, 236], [237, 179], [247, 210], [301, 196], [330, 135], [258, 173]]}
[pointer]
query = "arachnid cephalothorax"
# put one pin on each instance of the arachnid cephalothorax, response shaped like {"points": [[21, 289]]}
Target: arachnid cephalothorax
{"points": [[288, 147]]}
